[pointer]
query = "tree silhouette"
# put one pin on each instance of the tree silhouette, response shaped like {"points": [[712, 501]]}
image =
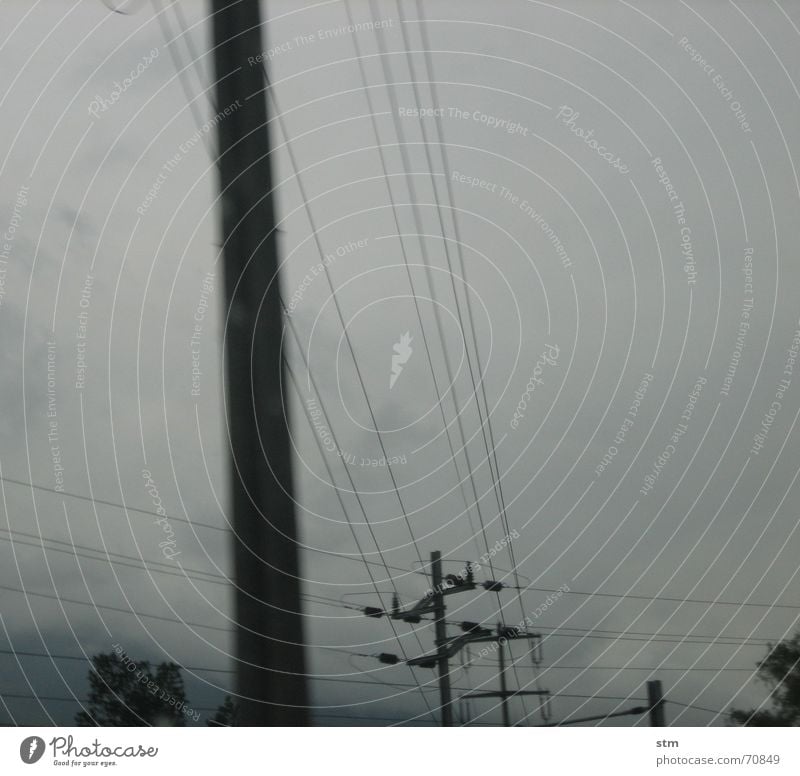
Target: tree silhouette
{"points": [[227, 714], [125, 692], [780, 671]]}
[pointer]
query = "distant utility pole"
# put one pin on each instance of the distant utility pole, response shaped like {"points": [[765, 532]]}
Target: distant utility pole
{"points": [[503, 687], [269, 635], [655, 709], [447, 646], [503, 636], [445, 695], [655, 698]]}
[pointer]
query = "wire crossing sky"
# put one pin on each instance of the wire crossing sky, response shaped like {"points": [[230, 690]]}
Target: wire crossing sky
{"points": [[538, 287]]}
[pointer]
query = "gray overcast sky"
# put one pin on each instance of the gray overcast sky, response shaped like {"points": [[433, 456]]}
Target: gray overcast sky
{"points": [[610, 185]]}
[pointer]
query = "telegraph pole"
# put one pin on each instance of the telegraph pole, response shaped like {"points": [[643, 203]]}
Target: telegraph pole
{"points": [[269, 637], [445, 695], [655, 709], [655, 698], [503, 635], [503, 688], [447, 646]]}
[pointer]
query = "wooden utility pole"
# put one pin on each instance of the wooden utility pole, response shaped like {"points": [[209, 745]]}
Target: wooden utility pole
{"points": [[269, 633], [446, 647], [655, 698], [503, 688], [445, 696]]}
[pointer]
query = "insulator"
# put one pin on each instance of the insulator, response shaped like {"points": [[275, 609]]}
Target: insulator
{"points": [[464, 711], [470, 574], [395, 604], [412, 618], [475, 629], [373, 611], [493, 586], [537, 654], [388, 657], [544, 707]]}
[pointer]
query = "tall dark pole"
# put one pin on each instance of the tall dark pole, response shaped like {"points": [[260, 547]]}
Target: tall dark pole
{"points": [[655, 697], [503, 688], [441, 637], [269, 637]]}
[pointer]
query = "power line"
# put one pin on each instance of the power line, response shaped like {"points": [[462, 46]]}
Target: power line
{"points": [[647, 668], [583, 632], [25, 696], [663, 598], [378, 682], [105, 502], [344, 508], [426, 263], [440, 328], [200, 524], [495, 477], [373, 718], [693, 706], [78, 602], [389, 683], [483, 424], [298, 179], [489, 443], [87, 658], [328, 468], [214, 578], [145, 565], [315, 234], [194, 523], [169, 39], [557, 631], [491, 447], [328, 679], [28, 696]]}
